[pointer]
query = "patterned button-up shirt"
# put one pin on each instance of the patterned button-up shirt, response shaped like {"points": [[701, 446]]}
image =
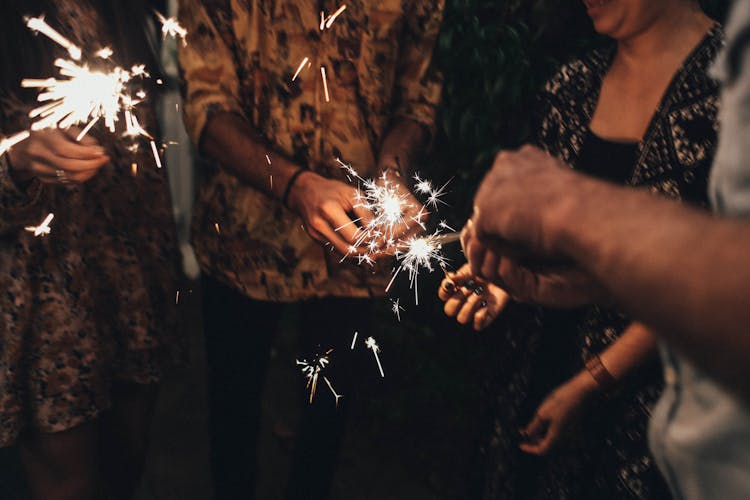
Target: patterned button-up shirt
{"points": [[241, 57]]}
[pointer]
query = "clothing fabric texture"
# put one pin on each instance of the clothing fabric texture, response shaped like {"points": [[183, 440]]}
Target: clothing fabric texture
{"points": [[92, 303], [241, 57], [608, 456], [700, 432]]}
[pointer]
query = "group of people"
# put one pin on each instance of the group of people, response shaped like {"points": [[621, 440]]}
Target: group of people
{"points": [[582, 280]]}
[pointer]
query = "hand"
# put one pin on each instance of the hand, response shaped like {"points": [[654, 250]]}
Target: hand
{"points": [[324, 206], [514, 237], [471, 299], [55, 157], [557, 415]]}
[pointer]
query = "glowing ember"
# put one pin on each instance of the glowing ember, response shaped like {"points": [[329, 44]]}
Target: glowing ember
{"points": [[325, 83], [397, 309], [42, 229], [305, 62], [9, 142], [373, 346], [312, 371], [38, 24], [419, 253], [171, 27]]}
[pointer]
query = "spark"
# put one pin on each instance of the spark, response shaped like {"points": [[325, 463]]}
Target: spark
{"points": [[177, 298], [373, 346], [104, 53], [325, 83], [42, 229], [305, 62], [9, 142], [218, 229], [354, 340], [156, 154], [171, 27], [420, 253], [134, 168], [37, 24], [434, 196], [270, 172], [312, 371], [327, 22], [396, 308]]}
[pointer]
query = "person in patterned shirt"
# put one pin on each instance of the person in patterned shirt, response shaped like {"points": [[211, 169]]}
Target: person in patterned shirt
{"points": [[275, 92]]}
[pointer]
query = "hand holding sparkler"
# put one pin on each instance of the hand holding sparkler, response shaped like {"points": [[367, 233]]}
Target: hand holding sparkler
{"points": [[470, 299], [55, 157], [325, 206]]}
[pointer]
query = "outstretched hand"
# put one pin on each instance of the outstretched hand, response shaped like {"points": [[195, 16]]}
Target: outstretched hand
{"points": [[470, 299]]}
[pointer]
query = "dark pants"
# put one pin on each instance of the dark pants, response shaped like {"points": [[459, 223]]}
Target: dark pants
{"points": [[239, 332]]}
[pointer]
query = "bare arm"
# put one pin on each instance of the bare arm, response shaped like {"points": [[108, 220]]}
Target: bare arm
{"points": [[686, 275], [636, 345]]}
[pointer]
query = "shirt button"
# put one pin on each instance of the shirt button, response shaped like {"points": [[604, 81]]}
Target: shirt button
{"points": [[670, 375]]}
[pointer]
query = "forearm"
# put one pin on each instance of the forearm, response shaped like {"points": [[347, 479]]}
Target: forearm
{"points": [[232, 141], [635, 346], [402, 145], [678, 270]]}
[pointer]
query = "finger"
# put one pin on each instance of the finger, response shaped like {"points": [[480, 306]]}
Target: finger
{"points": [[447, 289], [331, 236], [69, 165], [364, 215], [454, 304], [341, 224], [536, 427], [62, 145], [469, 308], [484, 318], [547, 443], [475, 255]]}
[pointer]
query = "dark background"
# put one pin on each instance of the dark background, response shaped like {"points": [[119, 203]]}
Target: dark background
{"points": [[413, 436]]}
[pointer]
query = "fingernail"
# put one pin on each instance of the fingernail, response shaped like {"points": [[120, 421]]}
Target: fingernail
{"points": [[471, 284], [449, 286], [483, 304], [479, 290]]}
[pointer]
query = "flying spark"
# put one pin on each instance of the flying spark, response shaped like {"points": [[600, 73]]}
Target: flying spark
{"points": [[373, 346], [397, 309], [305, 62], [42, 229], [325, 83], [9, 142], [171, 27], [37, 24], [354, 340], [312, 371], [327, 22]]}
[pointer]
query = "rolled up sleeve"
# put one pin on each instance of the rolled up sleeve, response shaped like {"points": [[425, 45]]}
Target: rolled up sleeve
{"points": [[208, 75], [419, 82]]}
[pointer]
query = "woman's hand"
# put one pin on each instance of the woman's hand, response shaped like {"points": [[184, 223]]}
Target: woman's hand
{"points": [[55, 157], [557, 415], [471, 299]]}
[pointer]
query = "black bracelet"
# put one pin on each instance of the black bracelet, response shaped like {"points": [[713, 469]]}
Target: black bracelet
{"points": [[290, 184]]}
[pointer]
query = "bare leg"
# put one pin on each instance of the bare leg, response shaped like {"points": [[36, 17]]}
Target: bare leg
{"points": [[63, 465], [124, 438]]}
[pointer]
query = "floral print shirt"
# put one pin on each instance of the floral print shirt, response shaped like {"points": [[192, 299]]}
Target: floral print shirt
{"points": [[241, 56]]}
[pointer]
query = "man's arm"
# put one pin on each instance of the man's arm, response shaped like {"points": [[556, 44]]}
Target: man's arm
{"points": [[680, 271]]}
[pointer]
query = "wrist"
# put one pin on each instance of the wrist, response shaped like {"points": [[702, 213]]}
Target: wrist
{"points": [[297, 183], [586, 383]]}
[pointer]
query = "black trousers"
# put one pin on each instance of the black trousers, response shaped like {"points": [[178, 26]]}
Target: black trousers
{"points": [[239, 332]]}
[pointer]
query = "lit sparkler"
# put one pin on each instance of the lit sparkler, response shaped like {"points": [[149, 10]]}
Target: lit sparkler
{"points": [[42, 229], [9, 142], [171, 27], [373, 346], [313, 369]]}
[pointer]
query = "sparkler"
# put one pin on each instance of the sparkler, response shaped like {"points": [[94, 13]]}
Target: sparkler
{"points": [[171, 27], [373, 346], [312, 371], [9, 142], [42, 229]]}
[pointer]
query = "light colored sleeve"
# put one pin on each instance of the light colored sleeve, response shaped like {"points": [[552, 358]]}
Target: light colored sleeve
{"points": [[419, 83], [208, 74]]}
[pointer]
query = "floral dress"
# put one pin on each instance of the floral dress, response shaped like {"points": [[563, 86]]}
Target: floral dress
{"points": [[92, 303], [538, 349]]}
